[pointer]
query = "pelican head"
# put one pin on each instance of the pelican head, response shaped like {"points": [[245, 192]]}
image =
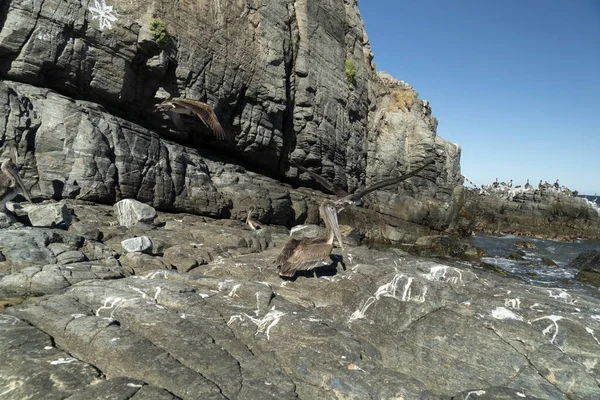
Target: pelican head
{"points": [[328, 213]]}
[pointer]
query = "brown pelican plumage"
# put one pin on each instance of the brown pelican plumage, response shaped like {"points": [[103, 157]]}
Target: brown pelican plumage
{"points": [[496, 184], [307, 254], [10, 178], [330, 186], [540, 185], [254, 225], [177, 105], [556, 185], [354, 198], [528, 185]]}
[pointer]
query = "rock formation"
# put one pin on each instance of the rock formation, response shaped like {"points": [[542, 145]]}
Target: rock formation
{"points": [[80, 81], [546, 213], [204, 315]]}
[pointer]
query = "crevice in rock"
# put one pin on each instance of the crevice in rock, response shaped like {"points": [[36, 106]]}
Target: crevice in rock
{"points": [[290, 52]]}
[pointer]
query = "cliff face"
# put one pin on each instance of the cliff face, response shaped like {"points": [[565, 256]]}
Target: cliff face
{"points": [[81, 79]]}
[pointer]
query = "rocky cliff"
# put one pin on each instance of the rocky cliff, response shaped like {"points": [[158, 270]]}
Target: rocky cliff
{"points": [[288, 80]]}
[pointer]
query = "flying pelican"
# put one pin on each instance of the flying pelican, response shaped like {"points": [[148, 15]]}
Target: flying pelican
{"points": [[177, 105], [354, 198], [254, 225], [307, 254], [330, 186], [10, 177], [344, 197]]}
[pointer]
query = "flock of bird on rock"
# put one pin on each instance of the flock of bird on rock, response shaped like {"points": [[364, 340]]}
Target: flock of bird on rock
{"points": [[296, 255]]}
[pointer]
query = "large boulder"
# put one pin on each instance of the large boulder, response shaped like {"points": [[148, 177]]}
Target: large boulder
{"points": [[588, 264]]}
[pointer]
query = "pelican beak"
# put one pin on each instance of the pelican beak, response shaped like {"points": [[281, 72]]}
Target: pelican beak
{"points": [[332, 215]]}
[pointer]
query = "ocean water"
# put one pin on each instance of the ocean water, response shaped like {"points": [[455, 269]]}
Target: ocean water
{"points": [[531, 268]]}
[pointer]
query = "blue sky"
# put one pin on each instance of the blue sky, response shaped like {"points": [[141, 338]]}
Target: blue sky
{"points": [[516, 83]]}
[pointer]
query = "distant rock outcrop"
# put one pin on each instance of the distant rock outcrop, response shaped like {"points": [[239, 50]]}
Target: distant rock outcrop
{"points": [[541, 213]]}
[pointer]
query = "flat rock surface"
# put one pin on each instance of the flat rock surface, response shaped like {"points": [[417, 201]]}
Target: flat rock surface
{"points": [[372, 325]]}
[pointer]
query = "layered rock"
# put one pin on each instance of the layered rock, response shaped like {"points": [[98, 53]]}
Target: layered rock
{"points": [[547, 213], [81, 81], [376, 324]]}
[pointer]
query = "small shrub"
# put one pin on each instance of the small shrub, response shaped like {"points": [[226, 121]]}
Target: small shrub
{"points": [[403, 99], [157, 27], [351, 72]]}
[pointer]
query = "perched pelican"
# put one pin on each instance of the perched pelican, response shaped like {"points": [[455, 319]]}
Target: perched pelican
{"points": [[528, 185], [510, 184], [496, 184], [307, 254], [556, 185], [177, 105], [10, 178], [254, 225], [540, 185], [344, 197]]}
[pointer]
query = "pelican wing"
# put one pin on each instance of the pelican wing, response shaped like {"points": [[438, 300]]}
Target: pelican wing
{"points": [[332, 187], [302, 255], [11, 170], [176, 118], [382, 184], [204, 112]]}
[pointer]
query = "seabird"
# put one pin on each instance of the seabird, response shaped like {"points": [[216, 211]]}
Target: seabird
{"points": [[528, 185], [540, 185], [177, 105], [345, 198], [254, 225], [354, 198], [510, 184], [10, 178], [307, 254], [556, 185], [495, 184]]}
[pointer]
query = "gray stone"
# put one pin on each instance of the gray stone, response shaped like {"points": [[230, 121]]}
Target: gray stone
{"points": [[49, 215], [32, 367], [130, 211], [6, 220], [139, 244]]}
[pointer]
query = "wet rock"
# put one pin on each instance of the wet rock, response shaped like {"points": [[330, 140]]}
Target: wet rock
{"points": [[445, 246], [137, 244], [588, 264], [129, 212], [548, 262], [492, 267], [518, 255], [587, 260], [524, 244]]}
